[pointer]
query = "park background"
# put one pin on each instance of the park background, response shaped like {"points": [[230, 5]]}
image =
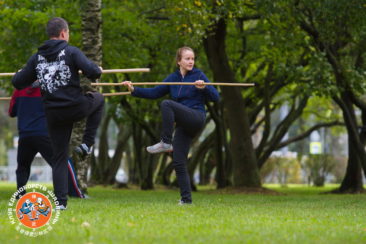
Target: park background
{"points": [[303, 123]]}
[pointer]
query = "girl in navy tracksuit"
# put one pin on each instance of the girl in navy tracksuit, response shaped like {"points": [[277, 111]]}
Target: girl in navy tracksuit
{"points": [[186, 109]]}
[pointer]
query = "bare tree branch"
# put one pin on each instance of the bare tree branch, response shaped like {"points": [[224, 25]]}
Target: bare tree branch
{"points": [[308, 132]]}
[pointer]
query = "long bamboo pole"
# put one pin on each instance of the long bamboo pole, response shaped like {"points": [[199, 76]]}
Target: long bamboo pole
{"points": [[7, 74], [116, 94], [105, 71], [174, 84], [136, 70], [104, 94]]}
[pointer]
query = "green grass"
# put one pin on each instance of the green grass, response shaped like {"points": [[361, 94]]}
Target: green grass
{"points": [[301, 215]]}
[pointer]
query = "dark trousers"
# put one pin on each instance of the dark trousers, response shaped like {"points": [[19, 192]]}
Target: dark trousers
{"points": [[188, 123], [28, 147], [60, 122]]}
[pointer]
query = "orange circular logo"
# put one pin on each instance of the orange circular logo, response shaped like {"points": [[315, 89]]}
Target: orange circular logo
{"points": [[34, 210]]}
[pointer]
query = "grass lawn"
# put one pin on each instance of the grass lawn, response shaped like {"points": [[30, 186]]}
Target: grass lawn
{"points": [[301, 215]]}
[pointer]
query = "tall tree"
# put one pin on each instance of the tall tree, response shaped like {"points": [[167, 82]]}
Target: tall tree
{"points": [[342, 41], [243, 154], [336, 33], [91, 29]]}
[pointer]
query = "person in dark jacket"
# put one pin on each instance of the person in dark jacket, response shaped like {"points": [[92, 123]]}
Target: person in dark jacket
{"points": [[56, 66], [186, 110], [27, 106]]}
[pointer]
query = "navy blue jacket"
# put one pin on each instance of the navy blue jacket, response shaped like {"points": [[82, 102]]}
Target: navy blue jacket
{"points": [[56, 66], [27, 105], [189, 96]]}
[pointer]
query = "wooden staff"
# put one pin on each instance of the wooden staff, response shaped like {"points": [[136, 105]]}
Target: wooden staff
{"points": [[175, 83], [116, 94], [104, 94], [105, 71], [112, 71], [7, 74]]}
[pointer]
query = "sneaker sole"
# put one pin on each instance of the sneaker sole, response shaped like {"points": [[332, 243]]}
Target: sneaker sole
{"points": [[166, 151]]}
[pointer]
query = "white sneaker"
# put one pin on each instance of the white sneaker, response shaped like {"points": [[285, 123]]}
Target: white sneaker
{"points": [[82, 151], [181, 202], [61, 207], [160, 147]]}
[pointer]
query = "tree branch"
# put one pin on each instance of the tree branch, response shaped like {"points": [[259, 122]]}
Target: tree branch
{"points": [[281, 130], [136, 118], [357, 101], [308, 132]]}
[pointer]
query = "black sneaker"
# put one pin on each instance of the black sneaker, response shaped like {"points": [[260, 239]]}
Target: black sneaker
{"points": [[82, 151]]}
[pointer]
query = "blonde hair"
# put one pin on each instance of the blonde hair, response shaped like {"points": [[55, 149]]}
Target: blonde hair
{"points": [[179, 54]]}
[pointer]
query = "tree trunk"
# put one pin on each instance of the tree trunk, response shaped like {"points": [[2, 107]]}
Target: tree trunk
{"points": [[92, 47], [206, 168], [352, 181], [168, 170], [104, 168], [162, 165], [198, 156], [115, 162], [144, 161], [245, 169], [222, 152], [148, 180], [97, 168]]}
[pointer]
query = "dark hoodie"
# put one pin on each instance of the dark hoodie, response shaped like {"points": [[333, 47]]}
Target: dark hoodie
{"points": [[189, 96], [56, 66], [27, 105]]}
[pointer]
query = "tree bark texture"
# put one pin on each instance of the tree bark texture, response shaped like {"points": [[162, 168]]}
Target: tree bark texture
{"points": [[352, 181], [246, 171], [92, 47]]}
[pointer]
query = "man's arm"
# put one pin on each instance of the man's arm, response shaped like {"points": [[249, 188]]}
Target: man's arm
{"points": [[25, 76], [89, 69]]}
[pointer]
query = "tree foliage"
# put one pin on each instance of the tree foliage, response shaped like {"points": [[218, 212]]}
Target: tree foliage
{"points": [[296, 51]]}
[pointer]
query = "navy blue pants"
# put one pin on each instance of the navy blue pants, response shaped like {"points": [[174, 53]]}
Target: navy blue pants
{"points": [[188, 123], [28, 147], [60, 122]]}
